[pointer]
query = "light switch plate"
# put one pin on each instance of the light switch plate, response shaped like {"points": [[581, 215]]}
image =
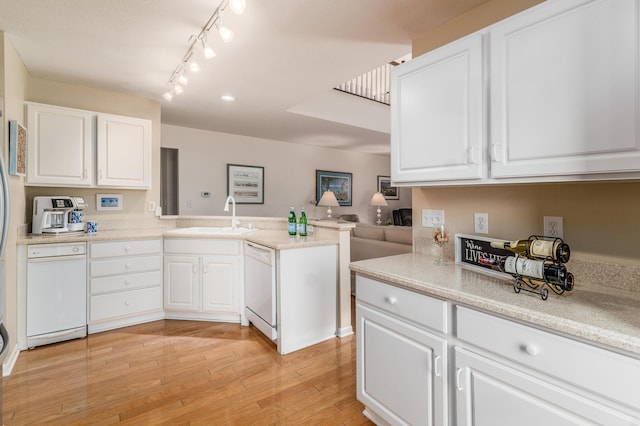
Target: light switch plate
{"points": [[431, 217]]}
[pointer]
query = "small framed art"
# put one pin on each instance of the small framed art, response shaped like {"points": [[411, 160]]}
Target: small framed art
{"points": [[17, 148], [338, 182], [389, 192], [245, 183], [109, 202]]}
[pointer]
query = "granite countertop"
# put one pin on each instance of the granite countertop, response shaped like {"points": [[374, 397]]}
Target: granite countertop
{"points": [[275, 239], [601, 315]]}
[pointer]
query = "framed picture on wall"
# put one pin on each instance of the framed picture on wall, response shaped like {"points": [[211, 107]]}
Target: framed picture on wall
{"points": [[245, 183], [17, 148], [389, 192], [338, 182]]}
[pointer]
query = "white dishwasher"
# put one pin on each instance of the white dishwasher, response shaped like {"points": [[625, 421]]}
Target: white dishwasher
{"points": [[260, 288], [56, 293]]}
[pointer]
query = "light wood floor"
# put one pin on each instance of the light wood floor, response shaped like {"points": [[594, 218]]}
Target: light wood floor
{"points": [[183, 373]]}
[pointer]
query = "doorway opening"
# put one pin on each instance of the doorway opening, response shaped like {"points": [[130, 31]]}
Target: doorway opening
{"points": [[169, 181]]}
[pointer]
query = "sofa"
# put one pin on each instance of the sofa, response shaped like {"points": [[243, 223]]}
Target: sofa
{"points": [[371, 241]]}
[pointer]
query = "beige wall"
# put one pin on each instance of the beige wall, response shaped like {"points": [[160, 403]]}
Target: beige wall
{"points": [[14, 86], [289, 174], [601, 220], [17, 86]]}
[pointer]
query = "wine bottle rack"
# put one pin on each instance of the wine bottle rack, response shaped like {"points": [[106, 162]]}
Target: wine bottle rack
{"points": [[541, 286]]}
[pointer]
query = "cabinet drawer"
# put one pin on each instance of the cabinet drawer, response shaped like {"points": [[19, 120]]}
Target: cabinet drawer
{"points": [[421, 309], [113, 305], [598, 370], [125, 282], [125, 248], [200, 246], [125, 265]]}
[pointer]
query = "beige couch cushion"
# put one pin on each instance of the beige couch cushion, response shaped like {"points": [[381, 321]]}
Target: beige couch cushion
{"points": [[398, 235], [369, 232]]}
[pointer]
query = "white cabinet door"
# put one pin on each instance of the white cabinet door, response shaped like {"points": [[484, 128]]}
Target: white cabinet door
{"points": [[124, 151], [565, 90], [489, 393], [437, 123], [59, 146], [182, 282], [401, 370], [221, 283]]}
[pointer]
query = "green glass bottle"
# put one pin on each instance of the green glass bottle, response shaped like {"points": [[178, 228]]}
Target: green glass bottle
{"points": [[292, 221], [302, 226]]}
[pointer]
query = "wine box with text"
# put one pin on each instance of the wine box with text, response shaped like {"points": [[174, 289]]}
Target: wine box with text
{"points": [[475, 252]]}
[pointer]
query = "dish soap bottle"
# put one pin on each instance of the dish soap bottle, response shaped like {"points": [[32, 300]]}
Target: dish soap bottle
{"points": [[302, 226], [292, 221]]}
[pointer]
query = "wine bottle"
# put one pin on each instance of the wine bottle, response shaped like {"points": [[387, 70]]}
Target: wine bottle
{"points": [[553, 273], [292, 221], [302, 225], [538, 249]]}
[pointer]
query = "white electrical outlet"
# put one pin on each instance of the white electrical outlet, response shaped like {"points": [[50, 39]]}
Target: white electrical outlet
{"points": [[481, 223], [431, 217], [152, 206], [553, 226]]}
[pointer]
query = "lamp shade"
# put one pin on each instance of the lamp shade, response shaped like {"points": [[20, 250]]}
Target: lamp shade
{"points": [[328, 199], [378, 200]]}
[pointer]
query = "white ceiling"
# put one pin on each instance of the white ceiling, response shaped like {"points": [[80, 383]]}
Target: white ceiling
{"points": [[285, 58]]}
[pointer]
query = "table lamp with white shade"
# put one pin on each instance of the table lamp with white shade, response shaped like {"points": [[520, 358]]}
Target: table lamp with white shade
{"points": [[378, 200], [329, 200]]}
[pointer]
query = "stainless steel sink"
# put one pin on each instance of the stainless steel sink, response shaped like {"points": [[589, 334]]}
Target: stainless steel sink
{"points": [[210, 230]]}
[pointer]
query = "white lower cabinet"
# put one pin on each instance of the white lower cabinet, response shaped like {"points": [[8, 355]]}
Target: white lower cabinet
{"points": [[500, 372], [125, 283], [202, 279], [401, 365], [528, 376]]}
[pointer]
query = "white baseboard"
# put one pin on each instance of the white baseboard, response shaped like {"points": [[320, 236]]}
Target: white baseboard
{"points": [[10, 361], [344, 332]]}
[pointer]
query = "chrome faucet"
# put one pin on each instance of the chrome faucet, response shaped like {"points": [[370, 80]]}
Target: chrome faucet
{"points": [[234, 222]]}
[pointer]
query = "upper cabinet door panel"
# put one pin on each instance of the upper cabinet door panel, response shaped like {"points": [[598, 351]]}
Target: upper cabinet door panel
{"points": [[565, 90], [59, 146], [124, 151], [437, 127]]}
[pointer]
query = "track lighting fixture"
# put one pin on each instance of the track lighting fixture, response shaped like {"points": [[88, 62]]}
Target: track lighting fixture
{"points": [[225, 33], [178, 79], [207, 51]]}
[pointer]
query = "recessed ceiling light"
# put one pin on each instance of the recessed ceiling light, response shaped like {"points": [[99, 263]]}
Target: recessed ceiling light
{"points": [[228, 98]]}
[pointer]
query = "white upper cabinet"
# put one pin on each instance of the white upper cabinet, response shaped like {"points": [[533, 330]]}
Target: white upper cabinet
{"points": [[59, 146], [75, 148], [437, 123], [560, 101], [565, 93], [124, 151]]}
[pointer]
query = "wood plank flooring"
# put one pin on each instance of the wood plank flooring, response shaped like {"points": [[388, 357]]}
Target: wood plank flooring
{"points": [[183, 373]]}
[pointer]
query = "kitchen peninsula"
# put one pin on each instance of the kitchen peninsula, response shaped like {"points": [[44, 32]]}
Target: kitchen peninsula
{"points": [[123, 261]]}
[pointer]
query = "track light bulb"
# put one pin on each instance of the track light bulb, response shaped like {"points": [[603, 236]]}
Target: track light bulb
{"points": [[183, 80], [226, 34], [194, 67], [168, 95], [208, 53], [178, 89], [238, 6]]}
